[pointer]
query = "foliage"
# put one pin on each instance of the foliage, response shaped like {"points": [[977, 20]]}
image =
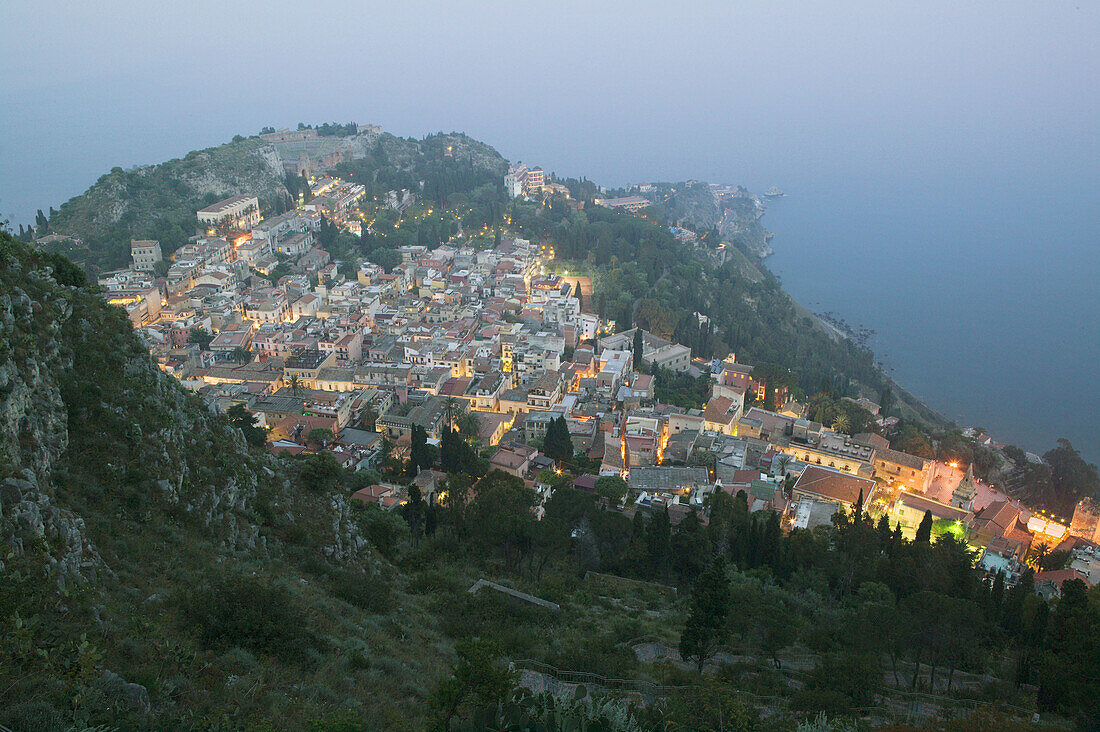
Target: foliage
{"points": [[557, 443], [247, 611], [200, 337], [706, 626], [611, 487], [248, 424], [478, 680]]}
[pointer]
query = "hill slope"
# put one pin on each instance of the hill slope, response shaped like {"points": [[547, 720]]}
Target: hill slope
{"points": [[150, 558], [160, 201]]}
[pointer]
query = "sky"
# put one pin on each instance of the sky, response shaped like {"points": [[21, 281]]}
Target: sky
{"points": [[981, 114], [610, 90]]}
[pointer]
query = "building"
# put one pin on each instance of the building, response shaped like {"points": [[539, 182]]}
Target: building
{"points": [[146, 253], [306, 363], [681, 480], [820, 492], [629, 203], [721, 416], [963, 495], [237, 213], [910, 508], [1086, 520], [909, 470]]}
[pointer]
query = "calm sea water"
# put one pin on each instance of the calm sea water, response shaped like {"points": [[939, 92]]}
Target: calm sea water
{"points": [[982, 293]]}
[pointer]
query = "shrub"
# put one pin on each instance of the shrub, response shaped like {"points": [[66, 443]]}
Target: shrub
{"points": [[370, 592], [252, 612]]}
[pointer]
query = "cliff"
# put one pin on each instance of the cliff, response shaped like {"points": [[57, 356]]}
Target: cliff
{"points": [[734, 213]]}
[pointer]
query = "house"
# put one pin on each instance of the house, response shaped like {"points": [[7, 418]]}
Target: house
{"points": [[913, 472], [239, 213], [909, 510], [1049, 584], [514, 460], [820, 492], [384, 496], [678, 479], [492, 426], [146, 253], [994, 521], [721, 416]]}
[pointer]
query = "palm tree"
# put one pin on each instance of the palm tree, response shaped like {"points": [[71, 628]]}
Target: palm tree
{"points": [[781, 464], [841, 423], [450, 411], [468, 425], [295, 385]]}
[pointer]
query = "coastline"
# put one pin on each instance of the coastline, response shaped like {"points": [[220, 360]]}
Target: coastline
{"points": [[839, 332]]}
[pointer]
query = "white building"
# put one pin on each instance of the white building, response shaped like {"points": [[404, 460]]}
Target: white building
{"points": [[238, 212], [146, 253]]}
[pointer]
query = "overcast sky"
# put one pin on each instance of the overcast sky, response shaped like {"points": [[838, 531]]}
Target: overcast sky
{"points": [[744, 92]]}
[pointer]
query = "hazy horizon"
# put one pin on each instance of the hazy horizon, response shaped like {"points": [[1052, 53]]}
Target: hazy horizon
{"points": [[947, 145]]}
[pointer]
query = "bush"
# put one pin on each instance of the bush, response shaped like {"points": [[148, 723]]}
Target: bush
{"points": [[34, 716], [252, 612], [840, 683], [370, 592]]}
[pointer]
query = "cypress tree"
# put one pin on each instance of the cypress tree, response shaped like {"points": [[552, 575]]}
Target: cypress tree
{"points": [[924, 531], [706, 626], [557, 444]]}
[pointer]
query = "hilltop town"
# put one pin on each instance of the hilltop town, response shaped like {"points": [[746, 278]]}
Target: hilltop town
{"points": [[255, 312]]}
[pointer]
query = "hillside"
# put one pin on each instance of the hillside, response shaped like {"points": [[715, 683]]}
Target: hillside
{"points": [[156, 572], [160, 201], [151, 559]]}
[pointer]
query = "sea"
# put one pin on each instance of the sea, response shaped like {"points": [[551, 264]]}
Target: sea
{"points": [[982, 292]]}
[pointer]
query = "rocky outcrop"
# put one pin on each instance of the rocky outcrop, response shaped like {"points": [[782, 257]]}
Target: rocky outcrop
{"points": [[30, 522], [100, 428]]}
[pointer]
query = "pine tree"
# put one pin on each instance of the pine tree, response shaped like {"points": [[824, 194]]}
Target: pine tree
{"points": [[924, 531]]}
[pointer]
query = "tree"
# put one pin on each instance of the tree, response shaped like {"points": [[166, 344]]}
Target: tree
{"points": [[557, 443], [295, 385], [319, 471], [501, 517], [319, 436], [611, 487], [456, 455], [638, 349], [385, 258], [924, 531], [706, 627], [414, 512], [421, 454], [468, 425], [1071, 477], [478, 680], [201, 337], [247, 423], [241, 355]]}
